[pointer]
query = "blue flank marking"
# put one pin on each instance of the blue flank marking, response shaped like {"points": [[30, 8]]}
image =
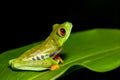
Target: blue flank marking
{"points": [[46, 56], [53, 54], [42, 57], [38, 58], [33, 59]]}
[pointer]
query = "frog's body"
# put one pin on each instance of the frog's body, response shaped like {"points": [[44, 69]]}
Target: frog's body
{"points": [[44, 56]]}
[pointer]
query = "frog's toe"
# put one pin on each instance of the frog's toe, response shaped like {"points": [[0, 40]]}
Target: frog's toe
{"points": [[54, 67]]}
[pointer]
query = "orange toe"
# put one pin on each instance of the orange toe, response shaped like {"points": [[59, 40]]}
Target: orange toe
{"points": [[54, 67]]}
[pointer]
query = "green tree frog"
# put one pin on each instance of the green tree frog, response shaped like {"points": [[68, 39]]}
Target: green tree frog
{"points": [[45, 55]]}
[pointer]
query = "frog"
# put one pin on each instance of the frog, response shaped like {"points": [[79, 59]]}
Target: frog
{"points": [[44, 56]]}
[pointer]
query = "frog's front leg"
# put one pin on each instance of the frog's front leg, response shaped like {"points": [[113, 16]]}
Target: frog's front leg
{"points": [[54, 65], [58, 58]]}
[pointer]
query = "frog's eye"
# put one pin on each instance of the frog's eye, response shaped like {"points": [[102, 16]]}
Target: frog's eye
{"points": [[61, 31]]}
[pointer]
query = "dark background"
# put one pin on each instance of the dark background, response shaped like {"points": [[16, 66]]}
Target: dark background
{"points": [[23, 23]]}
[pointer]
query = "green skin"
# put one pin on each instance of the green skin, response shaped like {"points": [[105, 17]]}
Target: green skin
{"points": [[32, 58]]}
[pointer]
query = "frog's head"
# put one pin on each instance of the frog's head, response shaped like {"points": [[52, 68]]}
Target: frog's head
{"points": [[61, 32]]}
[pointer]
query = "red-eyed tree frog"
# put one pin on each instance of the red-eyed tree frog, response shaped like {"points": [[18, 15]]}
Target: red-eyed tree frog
{"points": [[45, 55]]}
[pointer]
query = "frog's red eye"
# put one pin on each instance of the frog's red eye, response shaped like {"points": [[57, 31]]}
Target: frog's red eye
{"points": [[62, 31]]}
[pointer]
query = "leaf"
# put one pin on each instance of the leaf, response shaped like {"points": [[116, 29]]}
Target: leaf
{"points": [[97, 50]]}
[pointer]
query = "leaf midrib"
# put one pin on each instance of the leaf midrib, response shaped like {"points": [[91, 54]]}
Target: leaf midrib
{"points": [[96, 53]]}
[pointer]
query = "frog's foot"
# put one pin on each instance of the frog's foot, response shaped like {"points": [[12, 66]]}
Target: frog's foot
{"points": [[58, 58], [54, 67]]}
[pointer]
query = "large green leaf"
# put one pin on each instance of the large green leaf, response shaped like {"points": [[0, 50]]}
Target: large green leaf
{"points": [[97, 50]]}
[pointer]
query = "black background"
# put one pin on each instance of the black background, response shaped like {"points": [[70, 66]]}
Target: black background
{"points": [[23, 23]]}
